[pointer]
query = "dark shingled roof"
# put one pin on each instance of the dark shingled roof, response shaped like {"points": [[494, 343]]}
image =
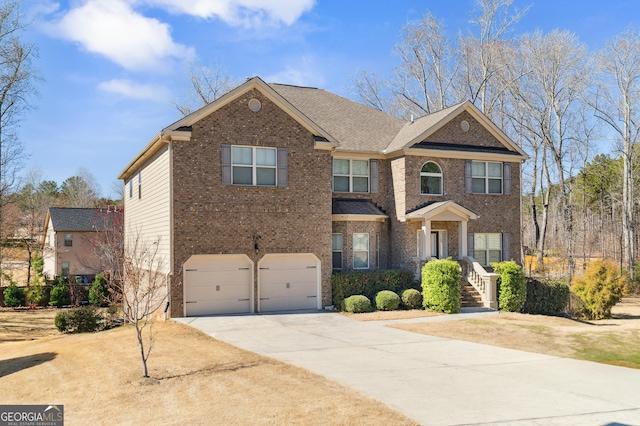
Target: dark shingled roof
{"points": [[355, 206], [79, 219], [468, 148]]}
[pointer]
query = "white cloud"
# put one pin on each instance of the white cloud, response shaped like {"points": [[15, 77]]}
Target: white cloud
{"points": [[111, 28], [133, 90], [247, 13]]}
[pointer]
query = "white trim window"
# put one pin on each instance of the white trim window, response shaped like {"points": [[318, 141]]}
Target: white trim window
{"points": [[487, 248], [336, 249], [68, 240], [431, 179], [253, 166], [486, 177], [360, 251], [350, 175]]}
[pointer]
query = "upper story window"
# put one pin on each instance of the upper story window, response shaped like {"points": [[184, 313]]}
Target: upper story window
{"points": [[68, 240], [430, 179], [139, 185], [253, 165], [130, 188], [486, 177], [350, 175]]}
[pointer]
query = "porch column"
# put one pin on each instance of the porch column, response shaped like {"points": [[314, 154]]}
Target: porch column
{"points": [[462, 238], [426, 239]]}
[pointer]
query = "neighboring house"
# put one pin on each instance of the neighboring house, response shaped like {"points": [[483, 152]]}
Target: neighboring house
{"points": [[73, 240], [256, 198]]}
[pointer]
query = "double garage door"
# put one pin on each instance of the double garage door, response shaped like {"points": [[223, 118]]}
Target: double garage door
{"points": [[223, 284]]}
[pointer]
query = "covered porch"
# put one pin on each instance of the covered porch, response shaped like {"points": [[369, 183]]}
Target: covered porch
{"points": [[442, 233]]}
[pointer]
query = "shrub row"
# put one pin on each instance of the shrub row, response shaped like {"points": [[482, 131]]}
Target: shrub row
{"points": [[369, 283], [385, 300], [87, 319]]}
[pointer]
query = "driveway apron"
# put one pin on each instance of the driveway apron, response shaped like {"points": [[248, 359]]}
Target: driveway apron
{"points": [[438, 381]]}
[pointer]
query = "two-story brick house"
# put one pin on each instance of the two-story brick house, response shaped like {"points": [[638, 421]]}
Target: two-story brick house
{"points": [[256, 198]]}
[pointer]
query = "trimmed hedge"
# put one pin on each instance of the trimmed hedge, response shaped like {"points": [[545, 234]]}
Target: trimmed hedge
{"points": [[79, 320], [369, 283], [546, 297], [357, 304], [512, 289], [411, 299], [441, 286], [387, 300]]}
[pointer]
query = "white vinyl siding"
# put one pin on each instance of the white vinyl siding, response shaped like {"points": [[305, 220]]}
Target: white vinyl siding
{"points": [[151, 214]]}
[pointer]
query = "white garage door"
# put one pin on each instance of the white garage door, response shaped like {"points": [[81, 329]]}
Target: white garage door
{"points": [[288, 282], [218, 284]]}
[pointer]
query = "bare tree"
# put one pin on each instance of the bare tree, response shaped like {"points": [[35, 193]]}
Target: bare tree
{"points": [[16, 87], [617, 103], [429, 65], [550, 94], [207, 85], [487, 56], [107, 241], [374, 92], [144, 291]]}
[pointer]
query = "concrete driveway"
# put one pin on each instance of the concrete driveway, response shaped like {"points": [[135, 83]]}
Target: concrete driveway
{"points": [[438, 381]]}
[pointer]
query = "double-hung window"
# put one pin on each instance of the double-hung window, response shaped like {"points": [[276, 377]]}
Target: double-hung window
{"points": [[430, 179], [68, 240], [253, 165], [336, 247], [360, 251], [350, 175], [487, 248], [486, 177]]}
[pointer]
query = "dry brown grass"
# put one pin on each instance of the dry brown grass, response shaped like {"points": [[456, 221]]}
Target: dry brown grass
{"points": [[612, 341], [196, 380]]}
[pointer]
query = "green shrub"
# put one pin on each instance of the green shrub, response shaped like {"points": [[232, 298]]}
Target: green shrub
{"points": [[61, 321], [386, 300], [14, 296], [369, 283], [601, 287], [411, 299], [357, 304], [80, 320], [512, 288], [546, 297], [98, 293], [59, 293], [441, 286], [35, 294]]}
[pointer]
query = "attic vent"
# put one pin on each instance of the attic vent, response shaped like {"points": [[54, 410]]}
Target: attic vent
{"points": [[464, 125], [255, 105]]}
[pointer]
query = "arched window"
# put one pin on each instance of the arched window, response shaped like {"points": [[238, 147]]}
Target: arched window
{"points": [[431, 179]]}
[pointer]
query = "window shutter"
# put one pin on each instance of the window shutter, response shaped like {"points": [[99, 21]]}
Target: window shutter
{"points": [[470, 245], [226, 164], [506, 246], [506, 176], [373, 176], [283, 167], [467, 177]]}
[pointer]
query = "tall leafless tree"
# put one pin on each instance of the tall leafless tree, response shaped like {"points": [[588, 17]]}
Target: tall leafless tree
{"points": [[207, 85], [617, 103]]}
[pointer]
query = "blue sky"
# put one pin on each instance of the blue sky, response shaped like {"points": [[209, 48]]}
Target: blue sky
{"points": [[112, 69]]}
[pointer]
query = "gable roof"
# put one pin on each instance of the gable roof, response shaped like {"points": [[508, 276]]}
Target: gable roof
{"points": [[337, 123], [79, 219]]}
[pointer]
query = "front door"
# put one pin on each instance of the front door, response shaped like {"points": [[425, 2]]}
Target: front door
{"points": [[435, 245]]}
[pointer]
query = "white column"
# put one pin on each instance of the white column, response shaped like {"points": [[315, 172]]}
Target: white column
{"points": [[462, 235], [426, 239]]}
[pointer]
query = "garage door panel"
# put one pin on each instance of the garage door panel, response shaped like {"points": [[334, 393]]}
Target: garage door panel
{"points": [[288, 282], [218, 284]]}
